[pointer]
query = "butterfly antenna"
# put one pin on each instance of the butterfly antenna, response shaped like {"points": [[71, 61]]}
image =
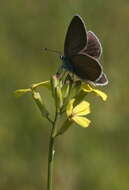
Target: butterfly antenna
{"points": [[51, 50]]}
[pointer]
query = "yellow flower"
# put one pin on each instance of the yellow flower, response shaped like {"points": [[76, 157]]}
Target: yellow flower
{"points": [[21, 92], [76, 113], [88, 88]]}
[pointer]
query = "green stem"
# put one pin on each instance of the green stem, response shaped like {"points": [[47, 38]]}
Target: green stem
{"points": [[51, 154], [50, 164]]}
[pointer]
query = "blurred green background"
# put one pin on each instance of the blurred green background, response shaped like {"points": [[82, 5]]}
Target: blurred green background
{"points": [[96, 158]]}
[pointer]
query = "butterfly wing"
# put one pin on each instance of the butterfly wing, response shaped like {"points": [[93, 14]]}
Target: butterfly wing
{"points": [[81, 52], [86, 67], [76, 37], [93, 47], [102, 81]]}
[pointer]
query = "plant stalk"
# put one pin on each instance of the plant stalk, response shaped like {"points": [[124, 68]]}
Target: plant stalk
{"points": [[51, 153]]}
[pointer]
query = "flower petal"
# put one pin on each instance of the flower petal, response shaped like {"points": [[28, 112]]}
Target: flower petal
{"points": [[82, 109], [69, 108], [82, 121], [88, 88], [101, 94]]}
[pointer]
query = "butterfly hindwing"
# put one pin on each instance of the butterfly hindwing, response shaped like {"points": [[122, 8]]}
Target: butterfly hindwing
{"points": [[93, 47], [102, 81], [86, 67]]}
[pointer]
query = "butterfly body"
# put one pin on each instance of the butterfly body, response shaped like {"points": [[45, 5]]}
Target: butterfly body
{"points": [[66, 63], [82, 51]]}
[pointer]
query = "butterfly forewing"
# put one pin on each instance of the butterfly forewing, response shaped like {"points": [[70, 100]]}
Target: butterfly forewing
{"points": [[86, 67], [93, 47], [76, 37]]}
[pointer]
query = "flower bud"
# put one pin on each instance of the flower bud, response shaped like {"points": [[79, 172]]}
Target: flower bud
{"points": [[65, 90], [54, 84], [59, 97], [21, 92], [38, 100]]}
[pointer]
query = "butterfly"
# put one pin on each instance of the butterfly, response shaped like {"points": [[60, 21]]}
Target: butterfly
{"points": [[82, 51]]}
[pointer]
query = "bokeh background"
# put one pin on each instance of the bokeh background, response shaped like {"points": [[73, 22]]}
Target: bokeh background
{"points": [[95, 158]]}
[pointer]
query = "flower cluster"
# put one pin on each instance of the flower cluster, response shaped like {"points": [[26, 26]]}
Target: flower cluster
{"points": [[69, 97]]}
